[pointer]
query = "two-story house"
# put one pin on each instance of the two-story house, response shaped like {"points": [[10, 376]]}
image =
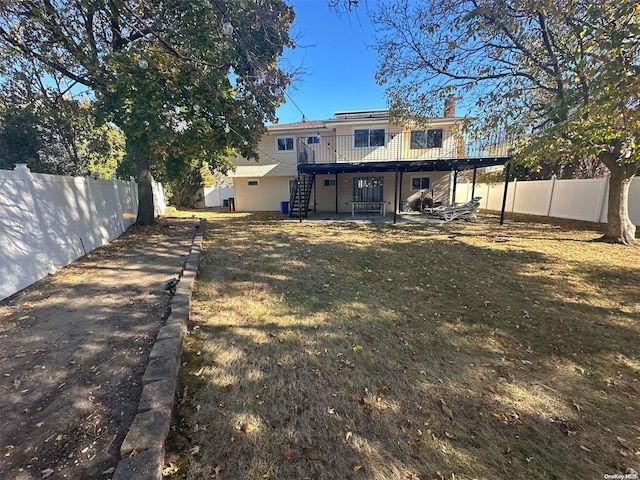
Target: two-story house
{"points": [[358, 161]]}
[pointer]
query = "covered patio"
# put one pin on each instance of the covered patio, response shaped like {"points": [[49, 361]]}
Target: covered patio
{"points": [[398, 168]]}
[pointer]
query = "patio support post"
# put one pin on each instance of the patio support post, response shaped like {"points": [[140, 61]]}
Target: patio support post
{"points": [[395, 197], [504, 195], [400, 189], [473, 185], [455, 184], [337, 186], [299, 198], [315, 191]]}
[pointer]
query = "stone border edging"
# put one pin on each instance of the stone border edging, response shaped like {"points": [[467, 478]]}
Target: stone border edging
{"points": [[142, 451]]}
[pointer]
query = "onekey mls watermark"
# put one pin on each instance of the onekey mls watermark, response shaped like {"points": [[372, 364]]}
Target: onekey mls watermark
{"points": [[621, 476]]}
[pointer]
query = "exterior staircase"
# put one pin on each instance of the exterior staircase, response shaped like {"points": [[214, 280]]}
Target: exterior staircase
{"points": [[301, 195]]}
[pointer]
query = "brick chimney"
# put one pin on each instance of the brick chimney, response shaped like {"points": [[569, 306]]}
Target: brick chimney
{"points": [[450, 107]]}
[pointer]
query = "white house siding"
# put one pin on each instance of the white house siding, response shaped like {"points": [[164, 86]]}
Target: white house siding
{"points": [[325, 197], [439, 184], [265, 197]]}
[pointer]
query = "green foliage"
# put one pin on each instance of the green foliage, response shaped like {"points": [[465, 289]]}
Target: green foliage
{"points": [[20, 139], [165, 72]]}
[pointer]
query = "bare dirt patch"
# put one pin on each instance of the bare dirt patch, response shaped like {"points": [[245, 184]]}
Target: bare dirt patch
{"points": [[73, 349], [394, 352]]}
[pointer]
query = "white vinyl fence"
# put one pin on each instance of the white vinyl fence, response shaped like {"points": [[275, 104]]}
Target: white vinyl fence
{"points": [[575, 199], [48, 221]]}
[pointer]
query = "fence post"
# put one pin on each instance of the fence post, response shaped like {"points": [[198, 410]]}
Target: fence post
{"points": [[553, 186], [513, 198], [604, 195], [119, 212]]}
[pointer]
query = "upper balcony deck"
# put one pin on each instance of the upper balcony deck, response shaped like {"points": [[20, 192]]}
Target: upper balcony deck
{"points": [[401, 146]]}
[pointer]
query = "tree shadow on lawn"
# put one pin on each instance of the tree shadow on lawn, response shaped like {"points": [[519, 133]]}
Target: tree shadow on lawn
{"points": [[323, 351]]}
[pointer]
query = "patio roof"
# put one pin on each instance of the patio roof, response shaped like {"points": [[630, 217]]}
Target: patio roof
{"points": [[448, 165]]}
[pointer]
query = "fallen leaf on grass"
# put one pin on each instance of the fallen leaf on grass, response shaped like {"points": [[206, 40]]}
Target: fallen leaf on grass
{"points": [[445, 409], [194, 450], [357, 468], [415, 442], [358, 348], [109, 471], [310, 453], [584, 448], [46, 473], [217, 470], [168, 470], [287, 454]]}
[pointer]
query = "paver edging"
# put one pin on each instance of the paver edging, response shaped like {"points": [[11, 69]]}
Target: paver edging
{"points": [[145, 450]]}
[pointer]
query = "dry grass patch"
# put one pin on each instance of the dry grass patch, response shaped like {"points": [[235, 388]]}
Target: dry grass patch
{"points": [[339, 351]]}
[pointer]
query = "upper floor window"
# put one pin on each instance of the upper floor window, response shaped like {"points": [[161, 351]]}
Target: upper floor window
{"points": [[369, 138], [284, 144], [426, 139], [314, 140]]}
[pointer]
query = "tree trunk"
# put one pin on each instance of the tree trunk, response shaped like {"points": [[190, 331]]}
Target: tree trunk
{"points": [[145, 192], [620, 229]]}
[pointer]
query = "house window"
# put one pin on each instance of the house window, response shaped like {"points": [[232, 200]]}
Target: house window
{"points": [[284, 144], [420, 183], [329, 182], [368, 189], [369, 138], [421, 139], [314, 140], [253, 183]]}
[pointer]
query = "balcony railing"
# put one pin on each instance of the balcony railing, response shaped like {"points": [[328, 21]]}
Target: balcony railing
{"points": [[397, 147]]}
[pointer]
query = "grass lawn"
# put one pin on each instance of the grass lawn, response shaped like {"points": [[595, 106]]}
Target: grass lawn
{"points": [[471, 350]]}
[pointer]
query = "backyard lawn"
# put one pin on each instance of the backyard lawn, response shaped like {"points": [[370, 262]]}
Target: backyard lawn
{"points": [[356, 351]]}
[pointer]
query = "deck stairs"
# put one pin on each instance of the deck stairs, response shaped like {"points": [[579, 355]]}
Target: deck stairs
{"points": [[301, 195]]}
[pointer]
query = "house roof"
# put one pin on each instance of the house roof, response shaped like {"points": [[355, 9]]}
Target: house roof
{"points": [[270, 170], [307, 125]]}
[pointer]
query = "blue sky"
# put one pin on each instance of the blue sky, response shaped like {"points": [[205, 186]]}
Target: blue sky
{"points": [[336, 52]]}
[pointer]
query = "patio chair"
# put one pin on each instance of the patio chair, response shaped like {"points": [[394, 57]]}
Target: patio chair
{"points": [[465, 211]]}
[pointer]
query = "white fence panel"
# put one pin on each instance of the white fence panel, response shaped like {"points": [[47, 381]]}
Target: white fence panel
{"points": [[214, 197], [494, 195], [23, 259], [579, 199], [47, 221], [530, 197]]}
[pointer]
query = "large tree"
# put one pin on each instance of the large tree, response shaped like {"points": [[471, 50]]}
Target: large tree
{"points": [[562, 76], [181, 79]]}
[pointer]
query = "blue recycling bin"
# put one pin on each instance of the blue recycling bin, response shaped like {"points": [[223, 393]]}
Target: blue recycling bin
{"points": [[284, 208]]}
